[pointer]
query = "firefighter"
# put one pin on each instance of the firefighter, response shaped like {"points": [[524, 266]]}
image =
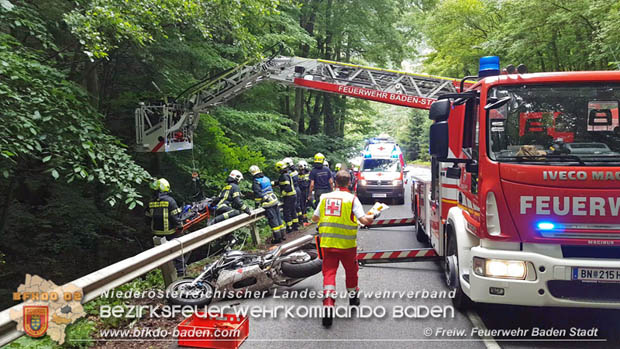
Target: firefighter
{"points": [[337, 215], [163, 215], [229, 204], [321, 180], [304, 186], [265, 197], [289, 197], [295, 176]]}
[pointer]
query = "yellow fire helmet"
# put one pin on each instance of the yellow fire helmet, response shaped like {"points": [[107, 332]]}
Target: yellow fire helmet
{"points": [[280, 165], [338, 167], [319, 158], [164, 185]]}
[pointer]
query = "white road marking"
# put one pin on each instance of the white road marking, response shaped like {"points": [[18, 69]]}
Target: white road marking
{"points": [[475, 319]]}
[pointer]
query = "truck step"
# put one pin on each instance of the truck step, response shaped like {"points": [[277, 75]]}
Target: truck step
{"points": [[397, 256]]}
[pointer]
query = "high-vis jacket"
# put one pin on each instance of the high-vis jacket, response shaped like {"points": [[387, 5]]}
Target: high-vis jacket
{"points": [[230, 196], [164, 214], [285, 182], [263, 192], [337, 224]]}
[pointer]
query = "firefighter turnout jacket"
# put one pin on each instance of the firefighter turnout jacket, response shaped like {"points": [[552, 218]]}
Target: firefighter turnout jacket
{"points": [[164, 215], [263, 192], [304, 180], [337, 223], [230, 196], [286, 184]]}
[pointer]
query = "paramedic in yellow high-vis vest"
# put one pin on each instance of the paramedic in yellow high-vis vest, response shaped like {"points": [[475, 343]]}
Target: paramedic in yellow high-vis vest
{"points": [[337, 214]]}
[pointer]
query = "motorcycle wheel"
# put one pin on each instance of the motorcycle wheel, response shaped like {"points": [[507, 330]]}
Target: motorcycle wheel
{"points": [[304, 269], [181, 292]]}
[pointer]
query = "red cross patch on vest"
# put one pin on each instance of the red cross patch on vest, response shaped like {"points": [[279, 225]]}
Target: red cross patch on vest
{"points": [[333, 207]]}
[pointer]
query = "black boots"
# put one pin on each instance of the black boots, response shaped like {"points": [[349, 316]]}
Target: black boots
{"points": [[328, 308]]}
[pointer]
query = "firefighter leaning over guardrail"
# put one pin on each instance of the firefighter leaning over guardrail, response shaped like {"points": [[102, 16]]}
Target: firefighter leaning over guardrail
{"points": [[229, 203], [265, 197], [163, 215], [304, 186], [299, 218], [289, 197]]}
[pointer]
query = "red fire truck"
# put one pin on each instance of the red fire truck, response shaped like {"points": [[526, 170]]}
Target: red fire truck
{"points": [[522, 200]]}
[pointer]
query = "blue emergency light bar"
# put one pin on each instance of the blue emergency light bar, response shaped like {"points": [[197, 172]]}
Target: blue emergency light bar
{"points": [[489, 66], [546, 226]]}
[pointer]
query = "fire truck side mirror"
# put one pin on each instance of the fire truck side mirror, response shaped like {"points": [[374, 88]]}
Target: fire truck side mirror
{"points": [[438, 139], [471, 167], [440, 110]]}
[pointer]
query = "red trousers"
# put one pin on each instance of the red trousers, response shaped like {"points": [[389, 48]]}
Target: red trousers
{"points": [[332, 257]]}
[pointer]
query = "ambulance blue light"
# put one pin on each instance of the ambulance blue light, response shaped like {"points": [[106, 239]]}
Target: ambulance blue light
{"points": [[489, 66], [546, 226]]}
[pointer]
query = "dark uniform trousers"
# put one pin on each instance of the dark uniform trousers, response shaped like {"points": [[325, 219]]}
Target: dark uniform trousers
{"points": [[317, 195]]}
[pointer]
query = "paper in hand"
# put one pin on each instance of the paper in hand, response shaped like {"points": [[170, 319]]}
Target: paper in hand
{"points": [[378, 207]]}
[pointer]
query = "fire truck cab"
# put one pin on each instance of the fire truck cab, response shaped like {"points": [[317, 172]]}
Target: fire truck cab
{"points": [[523, 199]]}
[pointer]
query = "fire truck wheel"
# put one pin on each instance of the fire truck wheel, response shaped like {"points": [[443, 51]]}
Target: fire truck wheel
{"points": [[451, 270]]}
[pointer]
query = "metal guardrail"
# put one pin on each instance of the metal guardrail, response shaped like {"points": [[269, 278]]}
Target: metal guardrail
{"points": [[97, 282]]}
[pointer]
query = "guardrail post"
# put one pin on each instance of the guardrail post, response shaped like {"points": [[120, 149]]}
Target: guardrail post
{"points": [[168, 270], [255, 234]]}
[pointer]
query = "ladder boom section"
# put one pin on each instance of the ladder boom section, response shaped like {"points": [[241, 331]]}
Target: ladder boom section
{"points": [[169, 126], [380, 85]]}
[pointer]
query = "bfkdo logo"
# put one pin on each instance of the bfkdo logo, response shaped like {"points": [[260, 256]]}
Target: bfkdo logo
{"points": [[35, 320]]}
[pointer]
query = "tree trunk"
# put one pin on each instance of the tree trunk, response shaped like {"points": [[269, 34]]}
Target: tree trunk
{"points": [[7, 203], [329, 122], [328, 30], [287, 102], [306, 21], [315, 117], [299, 110], [343, 112], [91, 82]]}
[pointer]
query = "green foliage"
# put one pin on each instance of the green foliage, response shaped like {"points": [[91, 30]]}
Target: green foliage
{"points": [[268, 133], [25, 342], [79, 334], [153, 280], [334, 149], [102, 25], [543, 35], [216, 154], [51, 127]]}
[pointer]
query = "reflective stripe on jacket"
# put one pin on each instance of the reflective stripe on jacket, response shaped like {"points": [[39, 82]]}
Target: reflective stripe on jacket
{"points": [[230, 196], [164, 214], [285, 182], [337, 225]]}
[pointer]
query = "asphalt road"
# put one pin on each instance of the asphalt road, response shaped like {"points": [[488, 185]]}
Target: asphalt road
{"points": [[449, 331], [376, 331]]}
